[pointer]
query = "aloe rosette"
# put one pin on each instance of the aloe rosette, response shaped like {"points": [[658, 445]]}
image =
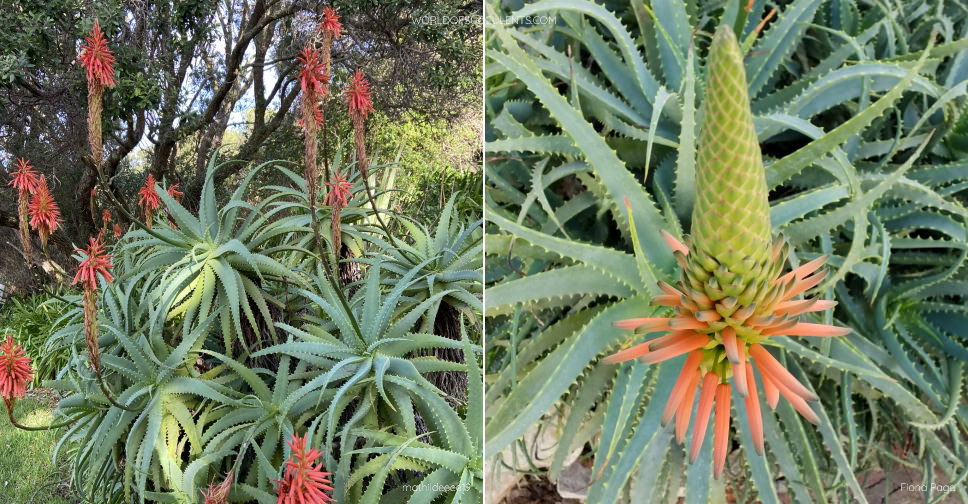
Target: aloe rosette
{"points": [[732, 296]]}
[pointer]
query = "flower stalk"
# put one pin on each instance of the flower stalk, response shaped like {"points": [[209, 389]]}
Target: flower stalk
{"points": [[26, 182]]}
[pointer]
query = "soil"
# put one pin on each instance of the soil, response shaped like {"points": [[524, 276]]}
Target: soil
{"points": [[536, 490]]}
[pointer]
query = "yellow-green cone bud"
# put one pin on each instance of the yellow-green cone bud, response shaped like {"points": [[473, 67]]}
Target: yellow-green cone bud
{"points": [[731, 217]]}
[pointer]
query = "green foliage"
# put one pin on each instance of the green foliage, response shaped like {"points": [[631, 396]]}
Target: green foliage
{"points": [[850, 102], [223, 335], [31, 320], [27, 473]]}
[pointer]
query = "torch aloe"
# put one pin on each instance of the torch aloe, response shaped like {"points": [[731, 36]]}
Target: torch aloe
{"points": [[731, 297]]}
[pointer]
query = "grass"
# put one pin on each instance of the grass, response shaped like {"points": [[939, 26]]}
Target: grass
{"points": [[27, 474]]}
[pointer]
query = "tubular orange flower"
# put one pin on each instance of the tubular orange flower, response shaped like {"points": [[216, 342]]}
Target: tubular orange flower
{"points": [[302, 482], [15, 370], [95, 263], [106, 216], [117, 230], [219, 494], [25, 180], [731, 297], [44, 214], [97, 58], [149, 200]]}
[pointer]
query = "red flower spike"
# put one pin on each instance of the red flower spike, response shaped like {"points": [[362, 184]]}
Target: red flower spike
{"points": [[15, 370], [330, 26], [44, 213], [117, 230], [302, 482], [312, 82], [106, 216], [149, 199], [174, 193], [358, 97], [339, 191], [25, 179], [219, 494], [95, 262], [97, 58]]}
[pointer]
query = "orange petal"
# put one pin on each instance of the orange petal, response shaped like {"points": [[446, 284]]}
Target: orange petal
{"points": [[807, 329], [803, 270], [803, 285], [679, 390], [739, 377], [799, 306], [798, 403], [779, 373], [730, 344], [707, 315], [638, 322], [666, 300], [627, 354], [685, 345], [769, 388], [681, 323], [685, 406], [721, 429], [669, 339], [668, 289], [709, 383], [674, 243], [753, 415]]}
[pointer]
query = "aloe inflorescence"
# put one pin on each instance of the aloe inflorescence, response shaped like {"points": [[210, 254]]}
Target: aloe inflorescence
{"points": [[732, 295]]}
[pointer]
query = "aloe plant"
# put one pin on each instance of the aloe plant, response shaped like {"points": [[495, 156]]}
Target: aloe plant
{"points": [[593, 128]]}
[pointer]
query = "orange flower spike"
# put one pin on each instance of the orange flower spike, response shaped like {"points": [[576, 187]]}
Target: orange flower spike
{"points": [[95, 263], [219, 494], [174, 193], [15, 370], [339, 192], [682, 385], [24, 179], [684, 413], [330, 26], [358, 97], [44, 213], [770, 365], [117, 230], [753, 414], [97, 58], [710, 382], [721, 429]]}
